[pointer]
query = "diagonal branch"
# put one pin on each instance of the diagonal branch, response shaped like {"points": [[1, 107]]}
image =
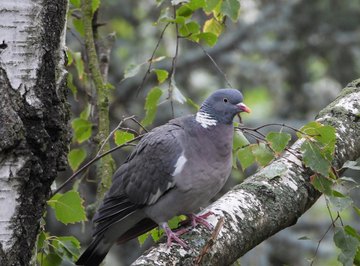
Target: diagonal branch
{"points": [[265, 204]]}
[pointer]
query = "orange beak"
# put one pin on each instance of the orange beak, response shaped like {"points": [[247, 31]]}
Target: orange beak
{"points": [[243, 108]]}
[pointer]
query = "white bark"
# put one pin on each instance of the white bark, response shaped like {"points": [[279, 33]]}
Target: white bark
{"points": [[20, 21], [269, 201], [32, 78], [20, 60]]}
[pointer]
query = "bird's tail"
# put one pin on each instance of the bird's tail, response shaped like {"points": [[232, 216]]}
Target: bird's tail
{"points": [[95, 253]]}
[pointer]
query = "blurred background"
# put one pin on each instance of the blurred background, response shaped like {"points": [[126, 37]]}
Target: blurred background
{"points": [[289, 58]]}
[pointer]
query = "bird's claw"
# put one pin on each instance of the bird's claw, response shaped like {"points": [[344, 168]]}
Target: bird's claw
{"points": [[201, 219], [174, 236]]}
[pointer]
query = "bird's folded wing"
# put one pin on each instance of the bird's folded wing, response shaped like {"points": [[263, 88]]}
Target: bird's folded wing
{"points": [[148, 172], [145, 176]]}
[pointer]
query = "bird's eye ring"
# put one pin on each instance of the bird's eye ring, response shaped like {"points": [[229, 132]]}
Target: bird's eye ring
{"points": [[225, 100]]}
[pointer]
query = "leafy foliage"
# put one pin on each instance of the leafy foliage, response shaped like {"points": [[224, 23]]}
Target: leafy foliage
{"points": [[68, 207], [55, 250], [82, 129], [76, 157], [278, 141], [151, 105], [122, 137], [347, 240]]}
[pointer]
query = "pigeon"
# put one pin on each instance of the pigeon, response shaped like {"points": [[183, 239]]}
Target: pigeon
{"points": [[174, 170]]}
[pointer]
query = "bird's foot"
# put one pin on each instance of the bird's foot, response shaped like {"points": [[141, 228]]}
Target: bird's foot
{"points": [[201, 219], [174, 236]]}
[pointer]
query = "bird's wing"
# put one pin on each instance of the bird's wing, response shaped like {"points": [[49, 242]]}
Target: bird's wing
{"points": [[143, 178], [149, 169]]}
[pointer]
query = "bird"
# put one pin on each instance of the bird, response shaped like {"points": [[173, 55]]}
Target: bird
{"points": [[175, 169]]}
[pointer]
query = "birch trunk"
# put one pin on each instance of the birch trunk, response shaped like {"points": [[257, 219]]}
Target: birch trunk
{"points": [[33, 118], [265, 203]]}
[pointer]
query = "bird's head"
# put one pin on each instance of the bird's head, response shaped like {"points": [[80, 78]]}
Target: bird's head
{"points": [[221, 107]]}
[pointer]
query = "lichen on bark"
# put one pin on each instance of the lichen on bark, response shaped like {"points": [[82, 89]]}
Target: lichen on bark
{"points": [[35, 133]]}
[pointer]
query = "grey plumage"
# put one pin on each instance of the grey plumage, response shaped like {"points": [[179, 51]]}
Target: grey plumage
{"points": [[174, 169]]}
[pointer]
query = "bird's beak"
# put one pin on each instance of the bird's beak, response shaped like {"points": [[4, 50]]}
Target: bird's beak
{"points": [[243, 108]]}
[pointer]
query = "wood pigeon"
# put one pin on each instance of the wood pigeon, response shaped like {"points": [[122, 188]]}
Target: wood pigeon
{"points": [[175, 169]]}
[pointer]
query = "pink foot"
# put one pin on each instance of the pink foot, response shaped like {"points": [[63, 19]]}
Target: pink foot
{"points": [[201, 219], [174, 236], [198, 219]]}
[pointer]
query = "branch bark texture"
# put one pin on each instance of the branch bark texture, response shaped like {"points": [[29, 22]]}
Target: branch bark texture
{"points": [[106, 165], [33, 118], [266, 202]]}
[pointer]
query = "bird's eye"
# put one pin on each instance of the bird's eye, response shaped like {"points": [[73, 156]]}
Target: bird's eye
{"points": [[225, 100]]}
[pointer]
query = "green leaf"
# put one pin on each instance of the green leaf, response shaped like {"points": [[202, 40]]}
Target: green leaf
{"points": [[262, 154], [351, 231], [131, 70], [196, 4], [211, 5], [322, 184], [184, 11], [339, 201], [246, 157], [41, 239], [95, 5], [304, 238], [192, 104], [68, 207], [70, 58], [313, 158], [82, 129], [122, 137], [86, 112], [79, 26], [357, 210], [347, 244], [76, 3], [190, 28], [79, 64], [357, 258], [239, 140], [151, 105], [76, 157], [51, 259], [274, 170], [71, 86], [231, 9], [177, 95], [213, 26], [161, 75], [278, 140], [324, 135], [208, 37], [67, 246]]}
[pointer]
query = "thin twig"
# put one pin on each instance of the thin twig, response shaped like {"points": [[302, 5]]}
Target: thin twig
{"points": [[139, 124], [173, 67], [211, 241], [279, 124], [128, 143], [215, 64], [130, 130], [112, 133], [148, 71], [321, 239]]}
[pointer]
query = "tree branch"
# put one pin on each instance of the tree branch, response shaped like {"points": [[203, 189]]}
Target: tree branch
{"points": [[106, 166], [265, 204]]}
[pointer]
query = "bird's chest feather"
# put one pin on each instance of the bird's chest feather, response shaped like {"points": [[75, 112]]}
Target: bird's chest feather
{"points": [[208, 163]]}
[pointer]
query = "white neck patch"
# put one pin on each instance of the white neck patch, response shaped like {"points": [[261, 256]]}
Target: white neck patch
{"points": [[205, 119]]}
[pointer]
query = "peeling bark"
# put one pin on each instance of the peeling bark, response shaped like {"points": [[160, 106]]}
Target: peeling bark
{"points": [[265, 204], [33, 118]]}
